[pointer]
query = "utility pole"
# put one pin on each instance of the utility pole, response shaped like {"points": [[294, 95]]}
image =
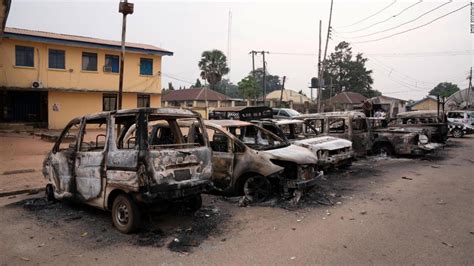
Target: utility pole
{"points": [[253, 53], [253, 69], [469, 90], [320, 78], [125, 8], [321, 69], [328, 34], [282, 88], [264, 81]]}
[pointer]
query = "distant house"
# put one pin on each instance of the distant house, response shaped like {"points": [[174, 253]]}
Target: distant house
{"points": [[288, 96], [198, 99], [389, 105], [344, 101], [430, 102]]}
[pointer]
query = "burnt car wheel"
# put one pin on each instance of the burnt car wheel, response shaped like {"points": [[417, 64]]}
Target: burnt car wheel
{"points": [[194, 203], [257, 188], [457, 133], [125, 214], [383, 149]]}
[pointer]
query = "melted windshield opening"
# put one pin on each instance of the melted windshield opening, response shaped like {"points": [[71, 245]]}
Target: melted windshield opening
{"points": [[257, 138]]}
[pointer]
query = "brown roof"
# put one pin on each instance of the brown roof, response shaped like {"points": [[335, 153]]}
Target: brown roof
{"points": [[75, 39], [198, 94], [347, 97]]}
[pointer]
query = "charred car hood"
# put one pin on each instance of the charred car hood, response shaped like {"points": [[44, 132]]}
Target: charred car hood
{"points": [[401, 130], [324, 143], [294, 154]]}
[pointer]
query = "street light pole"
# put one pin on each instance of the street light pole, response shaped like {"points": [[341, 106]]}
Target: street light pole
{"points": [[125, 8]]}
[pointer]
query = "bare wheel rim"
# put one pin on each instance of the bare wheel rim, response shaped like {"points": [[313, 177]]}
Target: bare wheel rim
{"points": [[457, 133], [257, 189], [122, 214]]}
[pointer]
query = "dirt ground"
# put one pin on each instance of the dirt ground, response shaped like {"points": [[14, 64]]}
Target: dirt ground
{"points": [[21, 158], [380, 211]]}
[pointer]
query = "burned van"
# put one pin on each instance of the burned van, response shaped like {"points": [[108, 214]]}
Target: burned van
{"points": [[354, 126], [331, 151], [433, 122], [109, 169], [249, 160]]}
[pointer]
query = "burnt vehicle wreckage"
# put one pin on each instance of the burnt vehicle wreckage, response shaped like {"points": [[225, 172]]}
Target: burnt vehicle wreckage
{"points": [[251, 161], [366, 137], [331, 151], [103, 169], [433, 122]]}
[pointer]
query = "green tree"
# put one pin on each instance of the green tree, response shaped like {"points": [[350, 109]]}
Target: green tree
{"points": [[272, 81], [348, 72], [226, 87], [444, 89], [170, 86], [197, 84], [248, 87], [213, 66]]}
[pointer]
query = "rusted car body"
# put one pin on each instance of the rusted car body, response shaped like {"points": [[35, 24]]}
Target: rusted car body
{"points": [[106, 169], [249, 160], [331, 151], [435, 124], [354, 126]]}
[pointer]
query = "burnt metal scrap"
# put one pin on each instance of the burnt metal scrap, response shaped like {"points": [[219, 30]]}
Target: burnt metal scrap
{"points": [[366, 137], [331, 151], [104, 169], [249, 160]]}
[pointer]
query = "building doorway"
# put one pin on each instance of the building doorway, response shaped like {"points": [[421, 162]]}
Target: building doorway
{"points": [[24, 107]]}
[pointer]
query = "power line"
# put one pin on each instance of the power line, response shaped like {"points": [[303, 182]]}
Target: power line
{"points": [[387, 19], [376, 13], [415, 28], [411, 54], [405, 23], [175, 78]]}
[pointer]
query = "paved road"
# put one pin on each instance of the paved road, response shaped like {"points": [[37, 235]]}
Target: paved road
{"points": [[396, 211]]}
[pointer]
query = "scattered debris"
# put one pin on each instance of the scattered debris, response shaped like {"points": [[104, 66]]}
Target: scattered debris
{"points": [[407, 178], [363, 212], [25, 258], [441, 202], [292, 258], [18, 171], [447, 244], [73, 218], [84, 234]]}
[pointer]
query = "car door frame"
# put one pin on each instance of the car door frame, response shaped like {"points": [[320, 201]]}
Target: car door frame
{"points": [[89, 166], [223, 162]]}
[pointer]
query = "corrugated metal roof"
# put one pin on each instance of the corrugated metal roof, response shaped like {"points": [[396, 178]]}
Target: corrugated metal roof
{"points": [[194, 94], [78, 40]]}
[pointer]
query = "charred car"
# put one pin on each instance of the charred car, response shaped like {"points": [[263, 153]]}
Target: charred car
{"points": [[354, 126], [331, 151], [433, 122], [251, 161], [106, 169]]}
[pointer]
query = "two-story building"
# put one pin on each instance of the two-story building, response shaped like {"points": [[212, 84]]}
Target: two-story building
{"points": [[46, 78]]}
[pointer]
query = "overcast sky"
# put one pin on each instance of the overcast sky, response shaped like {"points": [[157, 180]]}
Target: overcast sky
{"points": [[406, 66]]}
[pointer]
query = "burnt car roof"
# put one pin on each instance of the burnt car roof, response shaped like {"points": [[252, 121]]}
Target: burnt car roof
{"points": [[148, 110], [332, 114], [227, 123], [424, 113], [280, 121]]}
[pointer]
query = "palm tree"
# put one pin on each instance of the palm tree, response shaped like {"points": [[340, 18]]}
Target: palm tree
{"points": [[213, 66]]}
